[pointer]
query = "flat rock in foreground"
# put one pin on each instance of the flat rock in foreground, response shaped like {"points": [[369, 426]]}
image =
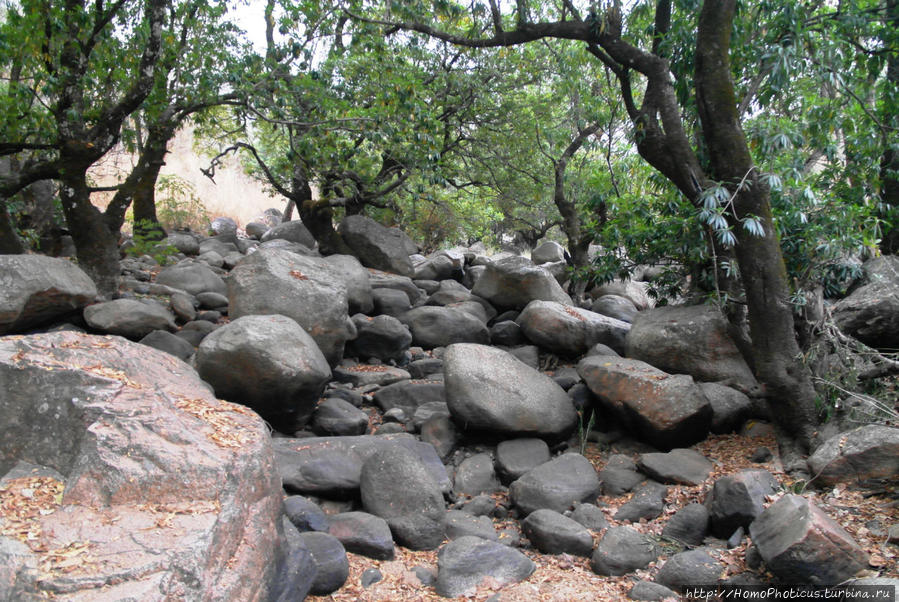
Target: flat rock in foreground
{"points": [[162, 491]]}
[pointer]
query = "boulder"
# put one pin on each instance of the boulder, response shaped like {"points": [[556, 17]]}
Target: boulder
{"points": [[355, 277], [648, 501], [801, 544], [475, 476], [689, 525], [339, 417], [381, 337], [870, 313], [667, 410], [331, 563], [175, 490], [554, 533], [364, 375], [192, 277], [267, 363], [272, 281], [293, 231], [514, 282], [635, 292], [390, 302], [690, 339], [623, 550], [693, 567], [408, 395], [514, 457], [129, 318], [590, 516], [35, 290], [223, 225], [557, 485], [570, 331], [464, 563], [183, 242], [298, 570], [442, 326], [363, 533], [331, 467], [415, 511], [166, 341], [736, 500], [436, 267], [376, 246], [548, 252], [730, 408], [678, 467], [489, 390], [867, 452], [383, 280], [615, 306], [460, 524], [304, 514]]}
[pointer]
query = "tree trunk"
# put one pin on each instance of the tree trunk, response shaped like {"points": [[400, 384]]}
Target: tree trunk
{"points": [[96, 246], [776, 353], [10, 243], [317, 216], [144, 205]]}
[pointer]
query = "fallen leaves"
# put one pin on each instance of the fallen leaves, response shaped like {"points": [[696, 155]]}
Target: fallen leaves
{"points": [[23, 502], [298, 275], [226, 431]]}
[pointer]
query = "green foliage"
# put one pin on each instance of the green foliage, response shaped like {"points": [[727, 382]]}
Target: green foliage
{"points": [[145, 241], [177, 205]]}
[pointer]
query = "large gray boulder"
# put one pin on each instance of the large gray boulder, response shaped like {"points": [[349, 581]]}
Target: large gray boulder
{"points": [[129, 318], [513, 282], [488, 389], [331, 467], [667, 410], [292, 231], [548, 252], [738, 499], [273, 281], [868, 452], [464, 563], [692, 340], [193, 277], [268, 363], [623, 550], [801, 544], [570, 331], [871, 312], [355, 277], [173, 489], [381, 337], [415, 511], [35, 289], [434, 326], [377, 246], [557, 485]]}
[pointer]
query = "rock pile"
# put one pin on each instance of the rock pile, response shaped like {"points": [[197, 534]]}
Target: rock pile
{"points": [[408, 407]]}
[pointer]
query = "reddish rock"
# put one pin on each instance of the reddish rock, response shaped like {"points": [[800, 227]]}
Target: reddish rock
{"points": [[168, 492], [868, 452], [801, 544], [668, 410]]}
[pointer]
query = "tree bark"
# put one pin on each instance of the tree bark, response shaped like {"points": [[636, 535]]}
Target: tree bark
{"points": [[777, 357], [10, 243], [96, 246]]}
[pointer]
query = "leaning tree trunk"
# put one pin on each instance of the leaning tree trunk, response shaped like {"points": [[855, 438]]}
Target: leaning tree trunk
{"points": [[10, 243], [96, 246], [776, 353]]}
